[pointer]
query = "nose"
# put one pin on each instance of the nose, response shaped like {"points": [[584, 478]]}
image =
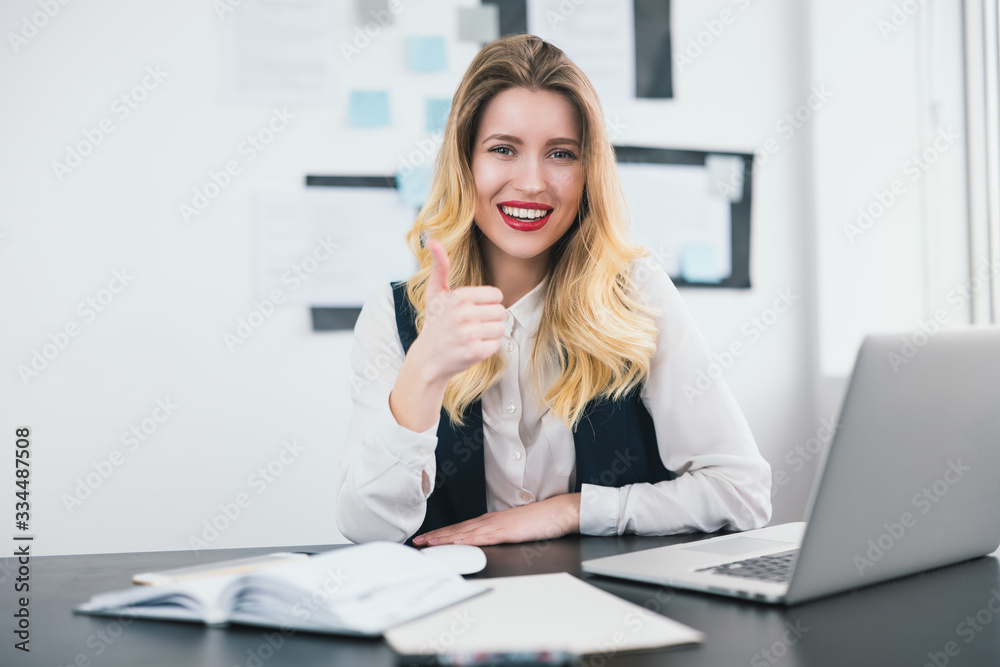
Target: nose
{"points": [[530, 176]]}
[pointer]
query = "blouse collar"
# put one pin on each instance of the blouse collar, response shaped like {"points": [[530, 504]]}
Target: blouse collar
{"points": [[527, 310]]}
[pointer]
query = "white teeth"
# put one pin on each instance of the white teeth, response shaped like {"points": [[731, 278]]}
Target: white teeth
{"points": [[524, 213]]}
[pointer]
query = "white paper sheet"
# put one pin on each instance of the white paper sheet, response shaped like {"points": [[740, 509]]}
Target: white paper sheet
{"points": [[555, 612], [597, 35], [725, 176], [273, 52], [331, 246], [672, 208]]}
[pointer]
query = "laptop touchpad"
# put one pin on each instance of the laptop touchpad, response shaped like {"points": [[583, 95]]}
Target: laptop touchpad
{"points": [[736, 546]]}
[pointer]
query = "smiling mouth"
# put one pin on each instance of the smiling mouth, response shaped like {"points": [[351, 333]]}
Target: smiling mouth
{"points": [[526, 215]]}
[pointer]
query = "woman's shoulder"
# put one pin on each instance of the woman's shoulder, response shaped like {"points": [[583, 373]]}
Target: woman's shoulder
{"points": [[379, 309], [649, 281], [381, 296]]}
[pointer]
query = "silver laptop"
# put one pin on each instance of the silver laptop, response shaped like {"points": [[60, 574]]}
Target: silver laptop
{"points": [[908, 483]]}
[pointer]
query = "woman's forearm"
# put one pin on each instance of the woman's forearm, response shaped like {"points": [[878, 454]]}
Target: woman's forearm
{"points": [[418, 394]]}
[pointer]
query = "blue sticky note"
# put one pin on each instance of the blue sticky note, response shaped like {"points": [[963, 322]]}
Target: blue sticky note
{"points": [[369, 108], [425, 54], [414, 184], [437, 114], [699, 264]]}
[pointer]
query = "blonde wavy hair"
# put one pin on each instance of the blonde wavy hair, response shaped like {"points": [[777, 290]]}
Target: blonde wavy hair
{"points": [[601, 338]]}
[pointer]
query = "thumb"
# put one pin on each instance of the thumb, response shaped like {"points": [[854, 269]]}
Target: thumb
{"points": [[440, 266]]}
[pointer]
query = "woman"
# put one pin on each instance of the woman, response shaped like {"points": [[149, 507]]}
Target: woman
{"points": [[534, 378]]}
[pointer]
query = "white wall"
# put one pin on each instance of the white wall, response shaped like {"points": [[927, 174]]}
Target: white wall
{"points": [[161, 337], [891, 145], [734, 95]]}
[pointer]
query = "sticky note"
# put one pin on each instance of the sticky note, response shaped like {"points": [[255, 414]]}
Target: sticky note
{"points": [[377, 10], [414, 184], [479, 24], [369, 108], [437, 114], [725, 176], [699, 264], [425, 54]]}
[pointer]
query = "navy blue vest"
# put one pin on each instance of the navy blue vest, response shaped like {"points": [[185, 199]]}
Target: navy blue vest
{"points": [[615, 445]]}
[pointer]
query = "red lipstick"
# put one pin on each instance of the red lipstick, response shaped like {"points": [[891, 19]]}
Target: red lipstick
{"points": [[525, 225]]}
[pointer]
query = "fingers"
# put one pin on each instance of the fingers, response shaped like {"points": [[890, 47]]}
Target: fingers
{"points": [[440, 266], [470, 301], [490, 528], [484, 331], [486, 348], [483, 294], [455, 534], [471, 536], [471, 329], [482, 539], [490, 312]]}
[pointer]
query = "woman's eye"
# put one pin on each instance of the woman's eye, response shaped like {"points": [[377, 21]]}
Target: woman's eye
{"points": [[565, 155], [502, 150]]}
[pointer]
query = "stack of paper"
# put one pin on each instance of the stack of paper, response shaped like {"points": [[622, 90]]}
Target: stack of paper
{"points": [[542, 612]]}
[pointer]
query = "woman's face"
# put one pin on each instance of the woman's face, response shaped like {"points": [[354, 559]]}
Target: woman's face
{"points": [[528, 169]]}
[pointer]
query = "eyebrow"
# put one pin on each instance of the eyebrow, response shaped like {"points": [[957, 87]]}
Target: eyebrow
{"points": [[515, 140]]}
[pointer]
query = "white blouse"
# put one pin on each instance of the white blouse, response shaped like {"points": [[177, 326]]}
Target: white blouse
{"points": [[723, 481]]}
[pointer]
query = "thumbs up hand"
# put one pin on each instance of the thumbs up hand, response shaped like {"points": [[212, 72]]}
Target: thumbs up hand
{"points": [[462, 326]]}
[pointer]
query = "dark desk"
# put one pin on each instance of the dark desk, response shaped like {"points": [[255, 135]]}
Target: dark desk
{"points": [[898, 623]]}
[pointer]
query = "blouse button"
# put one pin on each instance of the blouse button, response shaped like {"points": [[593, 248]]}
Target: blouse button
{"points": [[525, 496], [511, 408], [517, 455], [510, 347]]}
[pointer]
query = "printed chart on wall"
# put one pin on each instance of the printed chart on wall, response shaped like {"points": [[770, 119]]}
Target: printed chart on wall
{"points": [[330, 244], [692, 210], [624, 47]]}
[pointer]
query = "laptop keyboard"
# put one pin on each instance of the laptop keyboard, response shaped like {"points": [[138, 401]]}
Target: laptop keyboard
{"points": [[775, 568]]}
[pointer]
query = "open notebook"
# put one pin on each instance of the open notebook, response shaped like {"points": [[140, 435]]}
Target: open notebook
{"points": [[357, 590]]}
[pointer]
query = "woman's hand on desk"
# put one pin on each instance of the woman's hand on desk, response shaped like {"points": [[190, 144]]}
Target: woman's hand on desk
{"points": [[542, 520]]}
